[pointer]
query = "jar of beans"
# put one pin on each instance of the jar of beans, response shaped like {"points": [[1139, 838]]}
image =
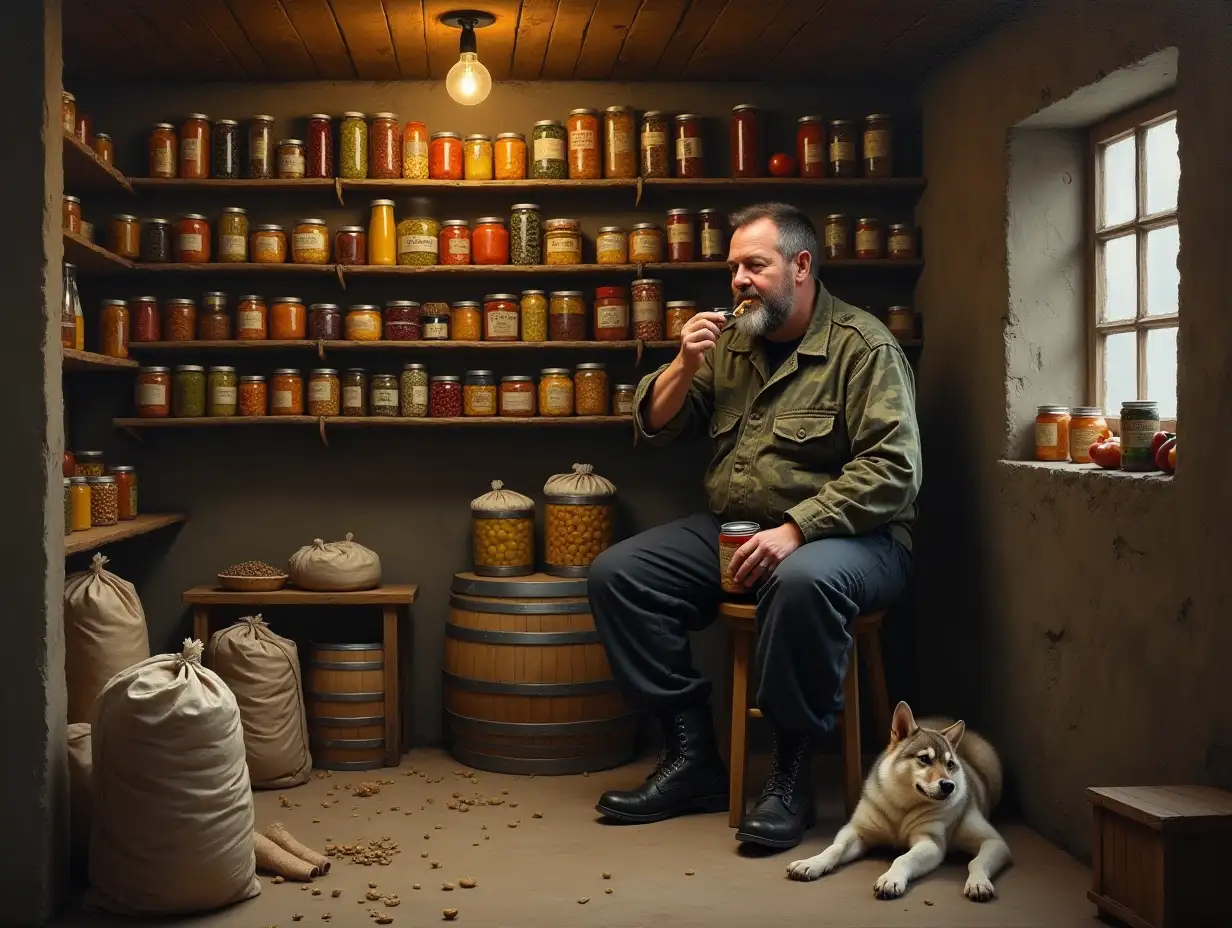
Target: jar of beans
{"points": [[445, 396], [678, 313], [414, 391], [324, 321], [648, 309], [351, 245], [402, 321], [455, 242], [223, 392], [324, 392], [355, 392], [534, 311], [567, 316], [253, 395], [225, 142], [590, 390], [517, 396], [180, 320], [479, 394], [385, 146], [156, 241], [384, 396], [585, 139], [104, 501], [466, 322], [555, 392], [262, 154], [837, 237]]}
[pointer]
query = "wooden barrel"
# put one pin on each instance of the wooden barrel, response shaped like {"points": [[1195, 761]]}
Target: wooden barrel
{"points": [[527, 685], [345, 696]]}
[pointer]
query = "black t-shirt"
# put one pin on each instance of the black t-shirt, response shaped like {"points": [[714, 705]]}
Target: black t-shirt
{"points": [[778, 352]]}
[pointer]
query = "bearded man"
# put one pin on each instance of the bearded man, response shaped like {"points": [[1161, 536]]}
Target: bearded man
{"points": [[810, 403]]}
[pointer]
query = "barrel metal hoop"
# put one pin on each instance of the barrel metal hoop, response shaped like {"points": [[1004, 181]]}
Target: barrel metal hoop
{"points": [[347, 697], [529, 588], [484, 636], [502, 607], [493, 687], [347, 665]]}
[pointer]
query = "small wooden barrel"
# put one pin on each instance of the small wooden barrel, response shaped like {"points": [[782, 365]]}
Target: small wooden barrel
{"points": [[527, 684], [345, 699]]}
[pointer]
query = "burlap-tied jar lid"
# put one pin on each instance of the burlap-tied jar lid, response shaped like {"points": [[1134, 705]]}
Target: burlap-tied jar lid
{"points": [[500, 499], [583, 482]]}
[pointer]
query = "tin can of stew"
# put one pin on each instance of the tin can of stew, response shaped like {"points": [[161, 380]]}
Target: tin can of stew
{"points": [[731, 536]]}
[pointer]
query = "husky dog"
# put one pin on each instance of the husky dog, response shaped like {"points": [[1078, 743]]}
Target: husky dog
{"points": [[931, 789]]}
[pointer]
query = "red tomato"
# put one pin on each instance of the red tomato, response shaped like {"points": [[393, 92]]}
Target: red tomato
{"points": [[782, 165], [1164, 458], [1107, 454]]}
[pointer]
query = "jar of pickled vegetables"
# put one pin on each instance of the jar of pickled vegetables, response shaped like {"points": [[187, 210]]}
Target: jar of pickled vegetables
{"points": [[126, 490], [562, 241], [503, 533], [113, 329], [324, 392], [517, 396], [490, 241], [509, 156], [288, 319], [269, 244], [188, 389], [477, 159], [590, 390], [466, 321], [233, 235], [579, 520], [353, 147], [223, 387], [455, 242], [612, 246], [445, 158], [351, 245], [254, 395], [180, 320], [288, 393], [355, 392], [415, 151], [252, 319], [363, 323], [646, 243], [479, 393], [534, 313], [310, 242], [567, 316], [525, 234], [585, 140], [214, 322], [611, 314], [418, 241], [385, 146], [549, 147], [555, 392], [678, 313]]}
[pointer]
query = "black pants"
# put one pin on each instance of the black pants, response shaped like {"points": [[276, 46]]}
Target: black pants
{"points": [[649, 591]]}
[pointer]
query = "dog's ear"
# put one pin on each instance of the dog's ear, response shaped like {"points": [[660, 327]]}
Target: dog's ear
{"points": [[955, 732], [903, 725]]}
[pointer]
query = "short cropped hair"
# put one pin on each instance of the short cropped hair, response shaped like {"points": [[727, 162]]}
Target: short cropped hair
{"points": [[796, 231]]}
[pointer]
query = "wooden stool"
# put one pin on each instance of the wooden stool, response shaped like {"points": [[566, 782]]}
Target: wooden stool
{"points": [[865, 641]]}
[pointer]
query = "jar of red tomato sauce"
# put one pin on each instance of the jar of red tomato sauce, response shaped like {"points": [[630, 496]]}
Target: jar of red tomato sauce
{"points": [[490, 241]]}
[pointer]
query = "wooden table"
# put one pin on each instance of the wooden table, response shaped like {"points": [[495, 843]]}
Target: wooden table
{"points": [[389, 598]]}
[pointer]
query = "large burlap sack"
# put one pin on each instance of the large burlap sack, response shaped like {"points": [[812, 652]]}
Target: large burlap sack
{"points": [[104, 633], [335, 566], [80, 766], [262, 670], [173, 816]]}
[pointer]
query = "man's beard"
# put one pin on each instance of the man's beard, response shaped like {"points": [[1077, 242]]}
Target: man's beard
{"points": [[770, 315]]}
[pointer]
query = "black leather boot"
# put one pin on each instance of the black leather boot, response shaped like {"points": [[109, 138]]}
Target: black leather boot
{"points": [[784, 812], [689, 777]]}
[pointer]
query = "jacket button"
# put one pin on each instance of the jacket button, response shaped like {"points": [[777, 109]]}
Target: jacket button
{"points": [[739, 467], [801, 433]]}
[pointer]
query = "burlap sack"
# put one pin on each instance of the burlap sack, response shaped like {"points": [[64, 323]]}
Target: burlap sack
{"points": [[173, 814], [262, 670], [104, 633], [80, 765], [336, 566]]}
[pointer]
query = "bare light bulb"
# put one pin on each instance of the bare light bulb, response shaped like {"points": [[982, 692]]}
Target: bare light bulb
{"points": [[468, 81]]}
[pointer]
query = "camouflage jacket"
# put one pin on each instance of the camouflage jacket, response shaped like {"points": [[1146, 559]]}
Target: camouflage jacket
{"points": [[830, 441]]}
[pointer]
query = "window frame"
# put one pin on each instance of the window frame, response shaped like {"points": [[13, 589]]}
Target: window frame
{"points": [[1136, 122]]}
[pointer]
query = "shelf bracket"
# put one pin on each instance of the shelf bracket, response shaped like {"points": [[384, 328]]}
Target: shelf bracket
{"points": [[637, 201], [640, 270], [637, 361], [338, 191], [321, 348], [321, 430], [341, 276], [135, 434]]}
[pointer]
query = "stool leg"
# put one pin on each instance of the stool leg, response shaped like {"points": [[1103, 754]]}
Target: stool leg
{"points": [[875, 665], [853, 767], [389, 640], [739, 726]]}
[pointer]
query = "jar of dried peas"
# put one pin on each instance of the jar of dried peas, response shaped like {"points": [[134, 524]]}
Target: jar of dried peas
{"points": [[562, 241], [500, 317], [124, 236], [477, 157], [549, 143], [445, 159], [385, 146], [310, 242], [253, 395], [555, 392], [233, 235], [479, 394], [465, 321], [269, 244], [363, 323], [353, 147], [646, 243], [490, 241], [584, 143], [611, 314], [288, 319], [324, 392], [414, 393], [455, 242], [180, 320], [534, 312], [415, 151], [590, 390], [252, 319], [509, 156], [222, 398], [418, 241], [288, 398], [612, 246], [517, 396], [188, 391], [678, 313]]}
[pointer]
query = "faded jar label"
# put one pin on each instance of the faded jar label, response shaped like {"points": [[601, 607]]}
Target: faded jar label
{"points": [[416, 243], [812, 152], [517, 402], [612, 317], [151, 394], [384, 397], [502, 323], [353, 397], [876, 143], [549, 149], [232, 246], [842, 151], [645, 311], [582, 139], [459, 246], [688, 148]]}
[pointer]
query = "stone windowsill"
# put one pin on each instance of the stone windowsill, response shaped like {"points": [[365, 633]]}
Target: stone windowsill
{"points": [[1087, 471]]}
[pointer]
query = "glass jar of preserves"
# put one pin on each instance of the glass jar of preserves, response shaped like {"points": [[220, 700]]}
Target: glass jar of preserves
{"points": [[900, 241], [223, 392], [584, 142], [402, 321], [214, 323], [72, 215], [351, 245], [382, 234], [418, 241], [104, 501], [1139, 423], [324, 322], [811, 146], [555, 392], [517, 396], [415, 151], [446, 160], [509, 156], [269, 244], [490, 241], [126, 491], [878, 158], [225, 149], [678, 313], [477, 159], [549, 147], [679, 236], [72, 319], [646, 243], [251, 319], [435, 327], [124, 236], [500, 318], [288, 319], [156, 241], [385, 146], [180, 320], [288, 393], [89, 464], [310, 242], [153, 392], [233, 235], [622, 399], [562, 241], [746, 141], [870, 238], [414, 391], [731, 536], [612, 246], [355, 392], [837, 237], [68, 112], [145, 324], [619, 142], [319, 145], [648, 309], [579, 519], [262, 154], [655, 160], [253, 395], [842, 157], [479, 394], [188, 391], [195, 147], [79, 494], [525, 234], [292, 164], [690, 151], [162, 150], [590, 390], [455, 242], [567, 316], [466, 321], [353, 147], [1087, 425], [611, 314], [192, 239], [445, 397], [534, 312], [900, 320], [713, 248], [1052, 433], [324, 392], [363, 323]]}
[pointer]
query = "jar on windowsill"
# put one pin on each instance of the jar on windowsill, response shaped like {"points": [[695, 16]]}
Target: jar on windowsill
{"points": [[509, 156], [353, 147], [319, 146], [288, 319], [251, 319], [113, 329], [517, 396], [1087, 425], [435, 327], [711, 222], [579, 520], [477, 158], [645, 243], [351, 245], [355, 392], [262, 153], [288, 393], [269, 244], [679, 236], [310, 242], [363, 323], [842, 159], [145, 323], [619, 142], [324, 392], [562, 241], [188, 391], [870, 239], [900, 241], [534, 313], [678, 313], [214, 322], [180, 320], [612, 246], [479, 394], [225, 150], [104, 501], [837, 237], [622, 399], [1052, 433], [233, 235], [549, 149], [414, 393], [503, 533], [162, 151], [455, 242], [156, 241], [648, 309], [878, 155], [611, 314], [1139, 423], [446, 160], [324, 322], [525, 234], [811, 146], [254, 398], [466, 321], [445, 396], [223, 392], [567, 316], [590, 390], [555, 392], [385, 147], [153, 391], [500, 317], [124, 236], [690, 150]]}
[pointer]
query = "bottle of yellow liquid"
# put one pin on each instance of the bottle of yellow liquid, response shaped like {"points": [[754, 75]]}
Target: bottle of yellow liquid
{"points": [[382, 234]]}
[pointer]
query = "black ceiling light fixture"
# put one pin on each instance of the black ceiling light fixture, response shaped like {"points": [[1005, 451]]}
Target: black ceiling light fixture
{"points": [[468, 81]]}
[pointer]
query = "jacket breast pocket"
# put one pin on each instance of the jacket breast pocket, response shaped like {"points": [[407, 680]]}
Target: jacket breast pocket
{"points": [[724, 430], [808, 437]]}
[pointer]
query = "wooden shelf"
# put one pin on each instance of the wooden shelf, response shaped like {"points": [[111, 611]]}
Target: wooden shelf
{"points": [[385, 345], [155, 184], [91, 258], [86, 172], [794, 184], [73, 360], [373, 422], [403, 594], [97, 537], [494, 270], [239, 267]]}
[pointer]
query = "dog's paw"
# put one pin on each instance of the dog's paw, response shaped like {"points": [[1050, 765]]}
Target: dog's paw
{"points": [[813, 867], [889, 885], [979, 888]]}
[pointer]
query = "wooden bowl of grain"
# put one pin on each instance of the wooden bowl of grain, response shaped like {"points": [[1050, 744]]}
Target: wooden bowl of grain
{"points": [[252, 577]]}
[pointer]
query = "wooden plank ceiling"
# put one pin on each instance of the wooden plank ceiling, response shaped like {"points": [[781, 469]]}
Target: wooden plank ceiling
{"points": [[627, 40]]}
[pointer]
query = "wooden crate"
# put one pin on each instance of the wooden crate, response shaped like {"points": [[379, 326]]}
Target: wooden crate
{"points": [[1160, 854]]}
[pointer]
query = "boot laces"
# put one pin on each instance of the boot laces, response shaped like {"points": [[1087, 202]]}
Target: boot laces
{"points": [[672, 755], [786, 764]]}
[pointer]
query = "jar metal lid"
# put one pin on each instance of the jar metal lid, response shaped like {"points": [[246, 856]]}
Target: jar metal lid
{"points": [[89, 454], [518, 378], [547, 122], [583, 111], [324, 116], [679, 212], [1087, 411], [447, 378], [383, 377], [164, 125], [591, 366], [836, 217], [478, 137], [625, 388], [400, 303], [197, 216], [901, 307], [122, 469], [651, 281], [382, 203], [405, 367], [814, 118], [467, 303], [198, 116], [605, 229], [649, 113], [570, 225], [141, 370], [253, 378], [870, 220], [708, 211], [215, 294], [511, 135], [325, 371], [352, 229], [384, 115], [1051, 410], [446, 135], [351, 114], [310, 222], [143, 299], [745, 107], [363, 308], [128, 217], [481, 373], [490, 220], [617, 109], [532, 293], [877, 116], [114, 303], [566, 293], [842, 122], [900, 226], [288, 299], [287, 370], [739, 528], [252, 298], [165, 222], [1139, 404], [324, 307], [499, 296], [79, 481], [267, 227], [263, 117], [522, 207], [684, 117], [678, 304], [458, 222], [222, 369], [555, 371], [645, 226], [179, 301], [189, 368], [238, 210], [71, 199], [103, 480], [221, 122]]}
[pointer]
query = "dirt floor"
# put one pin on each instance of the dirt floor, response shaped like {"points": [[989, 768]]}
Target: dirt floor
{"points": [[682, 873]]}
